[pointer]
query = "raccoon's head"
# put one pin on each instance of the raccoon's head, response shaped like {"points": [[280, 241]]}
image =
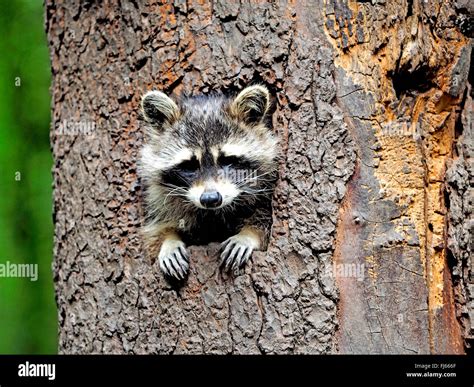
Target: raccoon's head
{"points": [[209, 152]]}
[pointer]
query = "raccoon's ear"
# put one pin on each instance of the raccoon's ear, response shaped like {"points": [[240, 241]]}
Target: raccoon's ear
{"points": [[159, 109], [251, 104]]}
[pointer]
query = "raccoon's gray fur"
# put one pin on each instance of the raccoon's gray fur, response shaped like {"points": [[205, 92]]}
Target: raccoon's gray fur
{"points": [[208, 169]]}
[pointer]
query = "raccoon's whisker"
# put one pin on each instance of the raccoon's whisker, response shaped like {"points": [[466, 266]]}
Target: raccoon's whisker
{"points": [[176, 192], [172, 186], [175, 187], [251, 177], [256, 191]]}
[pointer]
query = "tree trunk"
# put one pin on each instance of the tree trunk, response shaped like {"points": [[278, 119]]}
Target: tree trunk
{"points": [[370, 247]]}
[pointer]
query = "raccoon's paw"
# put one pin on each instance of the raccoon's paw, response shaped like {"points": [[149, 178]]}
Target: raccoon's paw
{"points": [[173, 258], [236, 251]]}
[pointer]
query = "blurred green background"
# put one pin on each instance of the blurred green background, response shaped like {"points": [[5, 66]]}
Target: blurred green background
{"points": [[28, 322]]}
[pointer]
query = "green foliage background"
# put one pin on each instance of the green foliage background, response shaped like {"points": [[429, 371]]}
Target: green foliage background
{"points": [[28, 322]]}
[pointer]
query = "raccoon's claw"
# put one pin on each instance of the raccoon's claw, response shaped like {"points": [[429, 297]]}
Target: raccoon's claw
{"points": [[173, 258], [236, 251]]}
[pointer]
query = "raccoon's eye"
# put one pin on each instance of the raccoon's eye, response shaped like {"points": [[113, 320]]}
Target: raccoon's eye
{"points": [[230, 161], [189, 165]]}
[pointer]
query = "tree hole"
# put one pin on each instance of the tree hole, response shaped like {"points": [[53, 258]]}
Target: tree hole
{"points": [[411, 82], [410, 8]]}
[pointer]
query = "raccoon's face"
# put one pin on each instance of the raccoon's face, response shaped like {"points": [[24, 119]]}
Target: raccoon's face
{"points": [[210, 152]]}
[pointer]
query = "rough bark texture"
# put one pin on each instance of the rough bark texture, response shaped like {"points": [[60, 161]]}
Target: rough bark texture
{"points": [[353, 187], [460, 180]]}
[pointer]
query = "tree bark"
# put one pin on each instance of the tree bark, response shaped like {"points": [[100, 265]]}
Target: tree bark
{"points": [[371, 243]]}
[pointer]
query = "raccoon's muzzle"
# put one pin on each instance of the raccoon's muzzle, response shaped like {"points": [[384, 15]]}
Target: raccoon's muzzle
{"points": [[211, 199]]}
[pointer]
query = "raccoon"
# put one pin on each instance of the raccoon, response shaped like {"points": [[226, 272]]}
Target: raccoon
{"points": [[208, 169]]}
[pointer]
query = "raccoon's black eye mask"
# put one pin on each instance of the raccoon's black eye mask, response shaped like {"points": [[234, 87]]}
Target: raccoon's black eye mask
{"points": [[189, 165], [236, 162], [182, 174]]}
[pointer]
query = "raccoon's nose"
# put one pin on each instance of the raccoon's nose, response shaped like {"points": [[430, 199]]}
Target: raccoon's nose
{"points": [[211, 199]]}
